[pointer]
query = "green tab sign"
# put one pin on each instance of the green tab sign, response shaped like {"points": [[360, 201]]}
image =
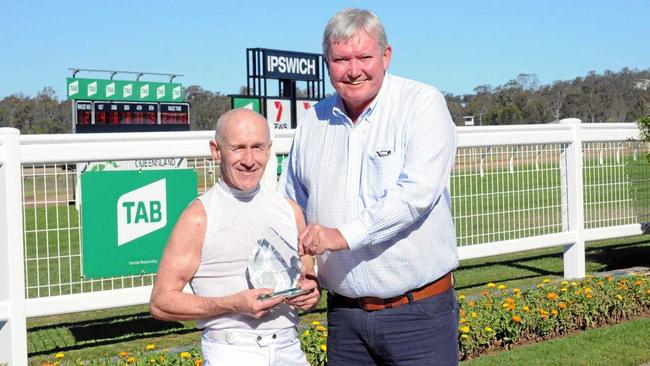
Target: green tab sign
{"points": [[127, 217], [251, 103], [145, 91]]}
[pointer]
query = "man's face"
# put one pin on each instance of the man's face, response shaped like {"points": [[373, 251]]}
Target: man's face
{"points": [[356, 70], [244, 152]]}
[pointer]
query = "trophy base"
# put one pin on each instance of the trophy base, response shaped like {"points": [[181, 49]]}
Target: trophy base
{"points": [[288, 293]]}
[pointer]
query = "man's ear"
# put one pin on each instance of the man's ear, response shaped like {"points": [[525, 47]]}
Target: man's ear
{"points": [[214, 149]]}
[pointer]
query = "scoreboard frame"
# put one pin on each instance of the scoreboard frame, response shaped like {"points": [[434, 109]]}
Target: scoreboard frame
{"points": [[111, 116]]}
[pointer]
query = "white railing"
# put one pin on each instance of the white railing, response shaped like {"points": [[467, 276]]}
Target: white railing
{"points": [[514, 188]]}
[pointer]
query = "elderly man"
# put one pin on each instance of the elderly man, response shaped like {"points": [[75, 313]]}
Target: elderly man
{"points": [[210, 247], [370, 166]]}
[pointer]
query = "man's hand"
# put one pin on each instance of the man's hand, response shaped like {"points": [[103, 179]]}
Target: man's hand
{"points": [[248, 302], [309, 300], [316, 239]]}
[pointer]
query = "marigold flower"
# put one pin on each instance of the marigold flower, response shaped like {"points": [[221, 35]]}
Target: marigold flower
{"points": [[587, 290], [516, 290], [471, 303], [461, 297], [552, 296], [152, 360], [526, 308], [323, 347], [510, 300], [619, 297], [198, 362], [46, 363], [464, 329], [150, 347], [637, 283], [321, 328], [561, 305], [185, 355], [490, 285], [546, 280], [588, 296], [464, 336], [130, 359], [315, 323], [574, 284], [565, 282], [462, 320], [501, 287], [59, 355], [307, 333], [488, 329], [554, 312], [609, 278], [599, 283], [122, 354], [543, 316], [516, 319], [473, 314], [563, 289], [485, 293], [648, 292]]}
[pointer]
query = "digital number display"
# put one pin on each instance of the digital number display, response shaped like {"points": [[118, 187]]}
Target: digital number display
{"points": [[84, 113], [107, 113], [99, 116], [174, 113]]}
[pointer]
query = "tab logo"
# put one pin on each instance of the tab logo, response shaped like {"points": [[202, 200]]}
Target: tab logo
{"points": [[127, 91], [73, 88], [144, 91], [176, 92], [110, 89], [92, 88], [160, 92], [141, 211]]}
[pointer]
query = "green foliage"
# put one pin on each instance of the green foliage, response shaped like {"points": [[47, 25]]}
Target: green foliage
{"points": [[314, 344], [149, 356], [501, 317]]}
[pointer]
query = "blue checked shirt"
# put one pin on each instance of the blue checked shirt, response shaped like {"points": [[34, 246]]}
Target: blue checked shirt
{"points": [[383, 182]]}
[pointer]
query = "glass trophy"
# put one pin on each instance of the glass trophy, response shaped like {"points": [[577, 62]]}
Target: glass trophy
{"points": [[275, 264]]}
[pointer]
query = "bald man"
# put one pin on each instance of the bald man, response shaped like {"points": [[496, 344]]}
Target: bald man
{"points": [[211, 244]]}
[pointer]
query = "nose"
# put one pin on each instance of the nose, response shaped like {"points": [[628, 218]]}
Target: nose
{"points": [[354, 69], [247, 158]]}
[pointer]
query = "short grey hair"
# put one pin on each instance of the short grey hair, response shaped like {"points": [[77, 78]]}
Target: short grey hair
{"points": [[346, 23], [236, 114]]}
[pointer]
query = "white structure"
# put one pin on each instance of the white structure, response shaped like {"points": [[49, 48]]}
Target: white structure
{"points": [[514, 188]]}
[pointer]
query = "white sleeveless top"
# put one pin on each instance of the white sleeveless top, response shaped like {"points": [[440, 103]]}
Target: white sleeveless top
{"points": [[236, 221]]}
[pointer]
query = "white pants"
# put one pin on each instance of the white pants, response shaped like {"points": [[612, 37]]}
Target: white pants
{"points": [[252, 347]]}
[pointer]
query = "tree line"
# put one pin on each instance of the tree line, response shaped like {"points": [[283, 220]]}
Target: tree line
{"points": [[608, 97]]}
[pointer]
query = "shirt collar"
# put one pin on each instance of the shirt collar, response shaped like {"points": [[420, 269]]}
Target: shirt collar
{"points": [[238, 193], [339, 107]]}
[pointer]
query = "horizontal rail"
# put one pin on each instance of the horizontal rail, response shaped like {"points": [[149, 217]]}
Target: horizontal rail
{"points": [[612, 232], [515, 245], [64, 304], [36, 149]]}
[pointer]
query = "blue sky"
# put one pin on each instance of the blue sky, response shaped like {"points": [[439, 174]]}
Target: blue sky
{"points": [[454, 46]]}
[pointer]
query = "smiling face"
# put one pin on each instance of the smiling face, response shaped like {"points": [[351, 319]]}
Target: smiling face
{"points": [[356, 68], [242, 149]]}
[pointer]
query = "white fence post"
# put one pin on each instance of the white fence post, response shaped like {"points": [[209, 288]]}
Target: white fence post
{"points": [[573, 212], [13, 332]]}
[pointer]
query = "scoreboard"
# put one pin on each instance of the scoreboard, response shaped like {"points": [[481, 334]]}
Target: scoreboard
{"points": [[109, 116]]}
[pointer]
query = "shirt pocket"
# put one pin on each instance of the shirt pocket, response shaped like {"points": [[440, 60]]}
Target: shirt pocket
{"points": [[382, 173]]}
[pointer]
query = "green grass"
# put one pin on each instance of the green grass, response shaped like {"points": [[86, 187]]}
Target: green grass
{"points": [[623, 344]]}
